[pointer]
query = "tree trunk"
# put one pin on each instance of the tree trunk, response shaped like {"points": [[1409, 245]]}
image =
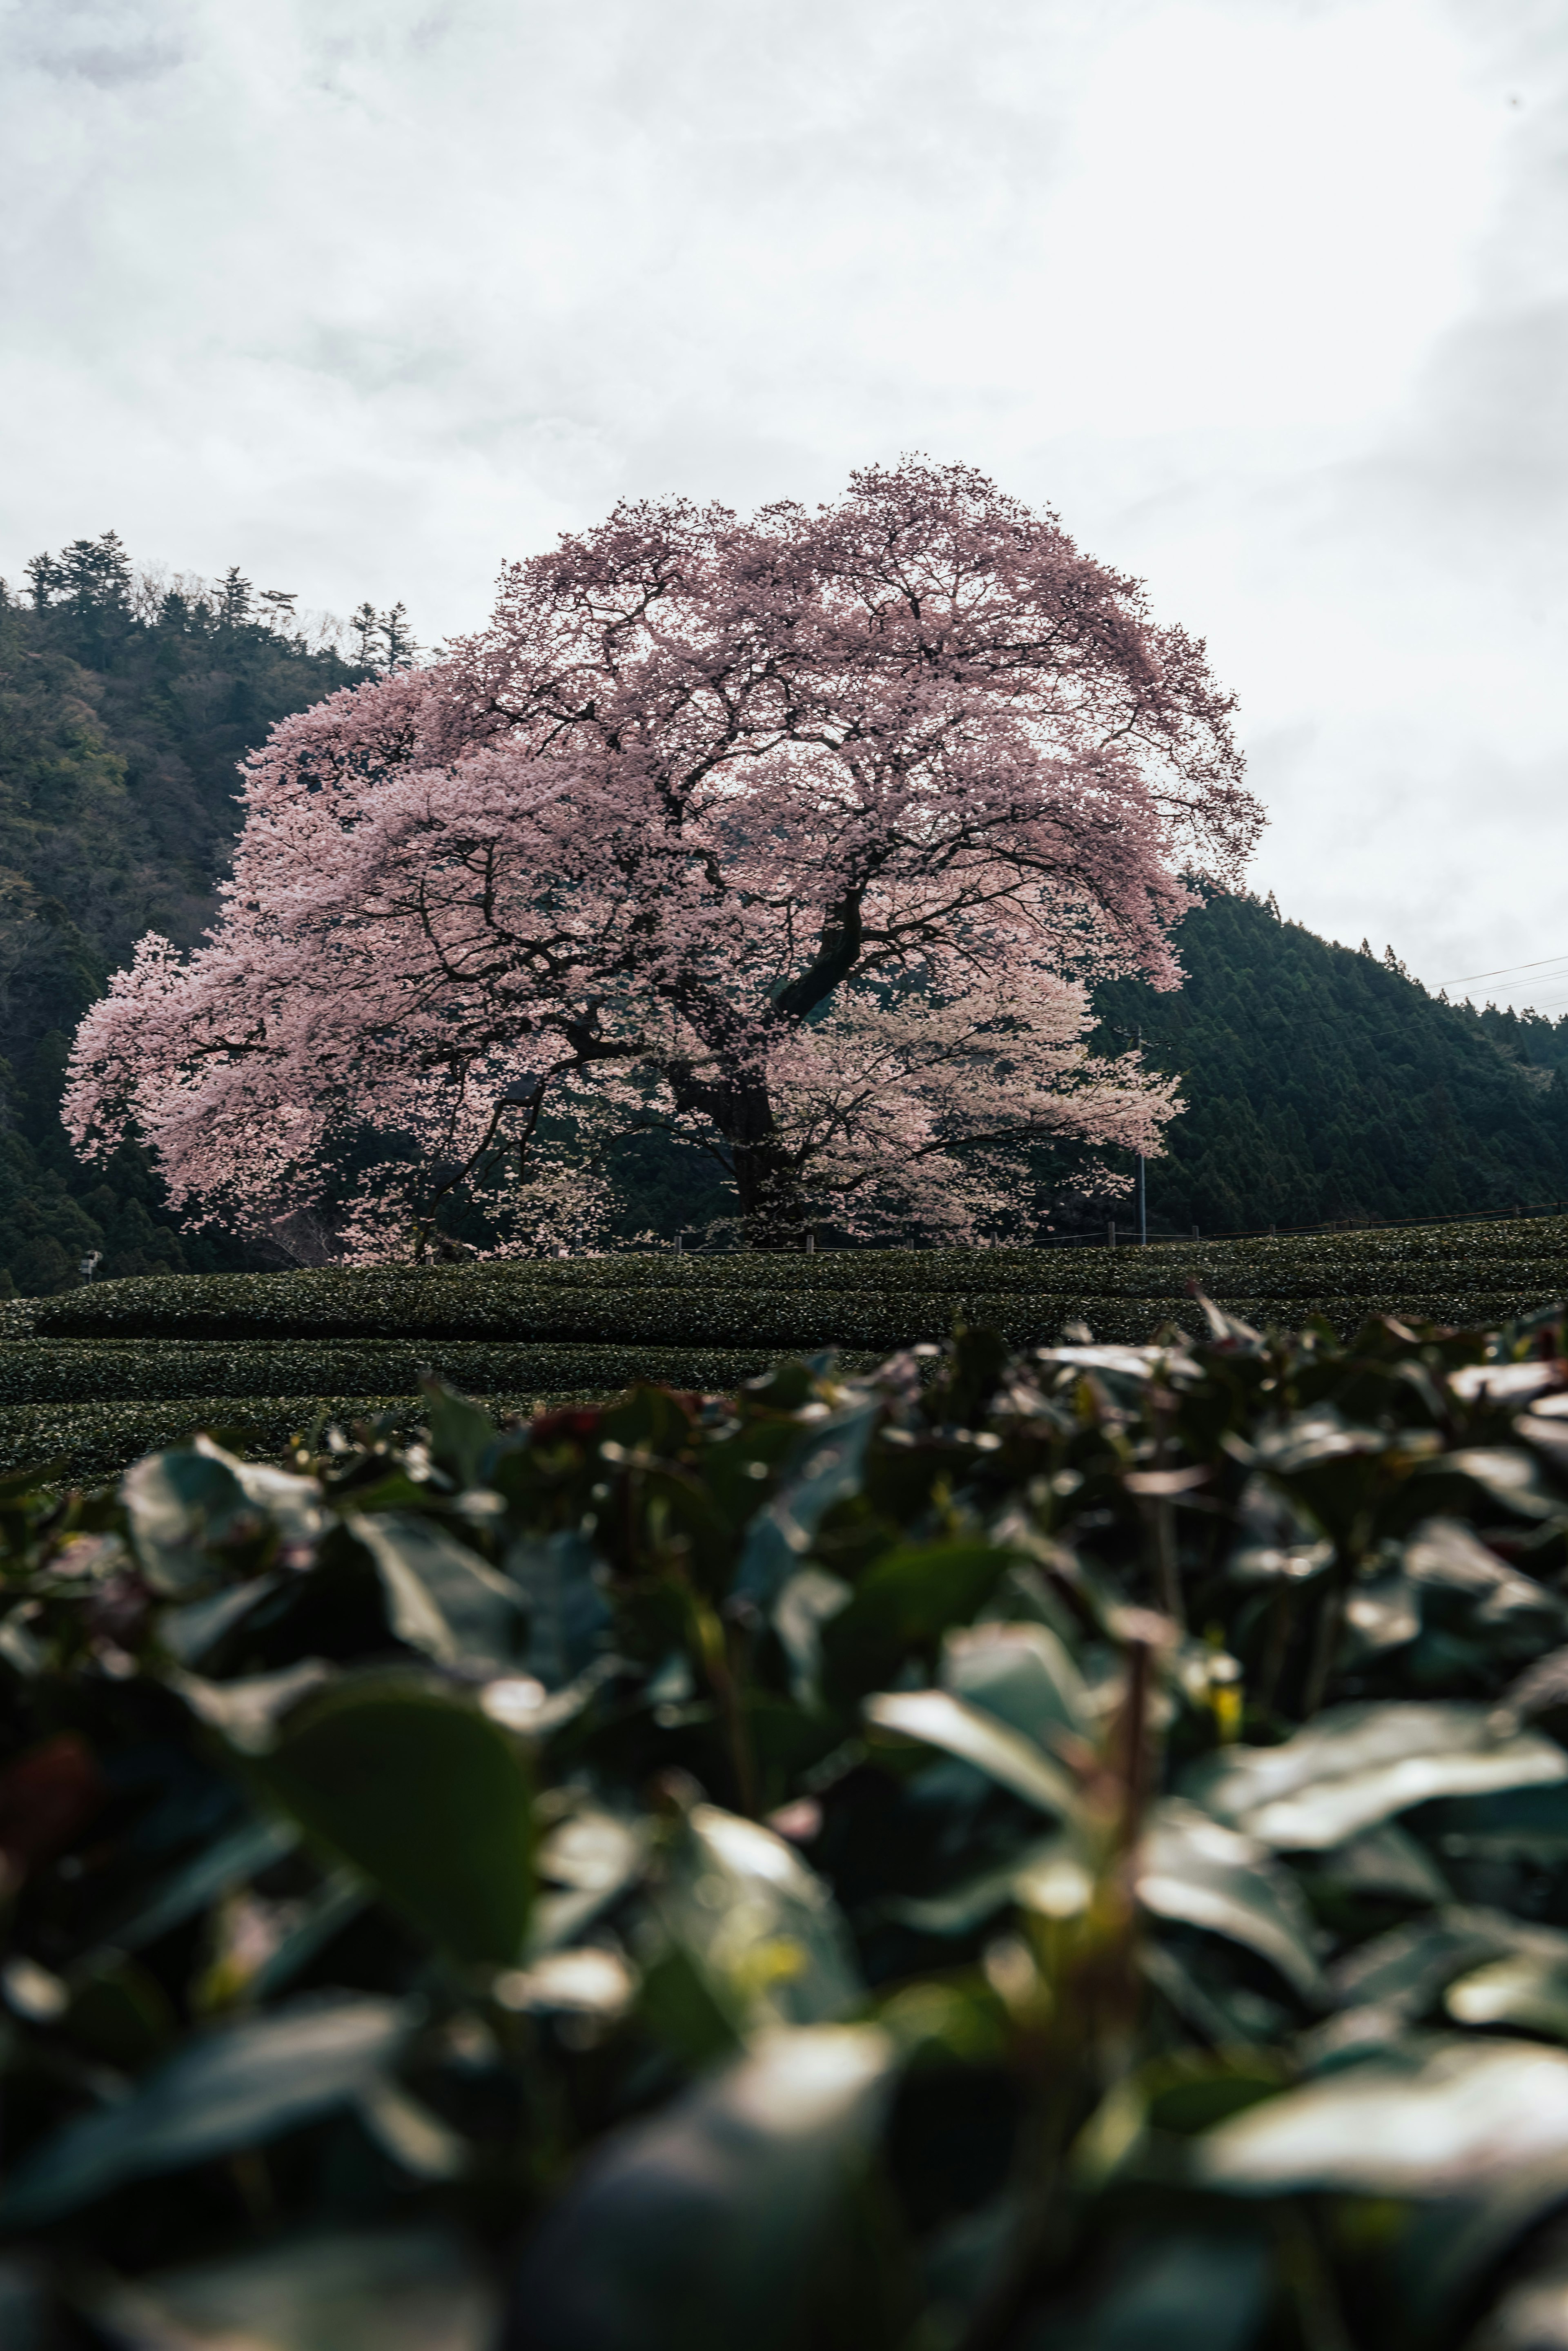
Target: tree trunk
{"points": [[772, 1202]]}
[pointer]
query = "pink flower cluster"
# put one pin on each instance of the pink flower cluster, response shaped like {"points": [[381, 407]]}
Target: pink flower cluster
{"points": [[800, 836]]}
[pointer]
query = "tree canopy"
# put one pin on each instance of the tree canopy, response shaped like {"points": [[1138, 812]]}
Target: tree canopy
{"points": [[127, 700], [801, 838]]}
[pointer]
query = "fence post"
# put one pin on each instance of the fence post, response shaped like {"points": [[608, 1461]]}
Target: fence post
{"points": [[1111, 1234]]}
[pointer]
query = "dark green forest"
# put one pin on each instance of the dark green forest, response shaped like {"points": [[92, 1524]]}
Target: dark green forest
{"points": [[124, 709], [1321, 1082]]}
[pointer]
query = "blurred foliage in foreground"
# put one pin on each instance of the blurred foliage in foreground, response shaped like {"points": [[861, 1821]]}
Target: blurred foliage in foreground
{"points": [[1066, 1852]]}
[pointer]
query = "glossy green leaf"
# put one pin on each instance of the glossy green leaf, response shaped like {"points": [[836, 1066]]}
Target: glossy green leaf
{"points": [[231, 2088], [555, 1577], [826, 1469], [1403, 1973], [938, 1718], [1021, 1673], [809, 1600], [763, 1926], [214, 1870], [1355, 1765], [188, 1632], [714, 2225], [462, 1434], [1433, 2125], [1526, 1990], [587, 1861], [1192, 1869], [248, 1709], [426, 1798], [183, 1505], [1387, 1860], [1506, 1475], [1530, 2313], [904, 1602], [442, 1597], [1047, 1877]]}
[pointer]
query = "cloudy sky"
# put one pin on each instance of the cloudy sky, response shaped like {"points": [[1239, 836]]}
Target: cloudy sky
{"points": [[1268, 298]]}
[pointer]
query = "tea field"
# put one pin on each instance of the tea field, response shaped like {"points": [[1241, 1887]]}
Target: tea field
{"points": [[93, 1377]]}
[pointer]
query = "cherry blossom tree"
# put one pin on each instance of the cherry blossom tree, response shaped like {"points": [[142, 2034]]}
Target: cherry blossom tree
{"points": [[803, 837]]}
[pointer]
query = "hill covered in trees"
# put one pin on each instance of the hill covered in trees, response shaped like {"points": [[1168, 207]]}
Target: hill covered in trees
{"points": [[125, 703], [1321, 1082]]}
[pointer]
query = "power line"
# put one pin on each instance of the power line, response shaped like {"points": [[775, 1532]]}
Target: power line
{"points": [[1503, 970]]}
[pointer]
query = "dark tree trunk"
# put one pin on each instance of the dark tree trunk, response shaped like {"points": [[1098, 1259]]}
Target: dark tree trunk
{"points": [[771, 1200], [772, 1203]]}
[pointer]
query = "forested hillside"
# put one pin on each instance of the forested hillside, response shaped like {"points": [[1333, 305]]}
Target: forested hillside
{"points": [[125, 704], [1322, 1081]]}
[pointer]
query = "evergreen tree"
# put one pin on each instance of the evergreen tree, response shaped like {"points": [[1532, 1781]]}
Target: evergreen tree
{"points": [[119, 739]]}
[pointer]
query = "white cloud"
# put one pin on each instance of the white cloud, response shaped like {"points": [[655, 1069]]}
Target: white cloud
{"points": [[1267, 296]]}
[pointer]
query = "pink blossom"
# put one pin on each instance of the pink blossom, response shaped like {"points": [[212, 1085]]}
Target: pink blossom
{"points": [[802, 837]]}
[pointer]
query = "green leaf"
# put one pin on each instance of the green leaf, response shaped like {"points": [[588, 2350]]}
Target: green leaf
{"points": [[233, 2088], [1443, 1555], [404, 2289], [1021, 1673], [441, 1597], [1192, 1869], [1380, 1615], [230, 1861], [938, 1718], [189, 1633], [1180, 2292], [826, 1469], [811, 1600], [1403, 1973], [907, 1600], [764, 1926], [1048, 1877], [716, 2223], [190, 1505], [593, 1855], [248, 1709], [1355, 1765], [1387, 1860], [1433, 2125], [461, 1433], [1505, 1475], [554, 1575], [183, 1505], [423, 1795], [1528, 1989]]}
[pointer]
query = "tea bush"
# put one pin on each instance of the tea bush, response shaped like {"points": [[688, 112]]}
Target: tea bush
{"points": [[198, 1347], [1013, 1852]]}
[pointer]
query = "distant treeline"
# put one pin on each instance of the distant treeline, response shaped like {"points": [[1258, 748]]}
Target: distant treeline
{"points": [[1321, 1082], [126, 702]]}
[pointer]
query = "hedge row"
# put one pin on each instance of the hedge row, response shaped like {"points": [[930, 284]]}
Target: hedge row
{"points": [[875, 1325], [94, 1440], [872, 1297], [778, 1321], [115, 1370]]}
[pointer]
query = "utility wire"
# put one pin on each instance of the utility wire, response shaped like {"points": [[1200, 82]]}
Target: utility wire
{"points": [[1503, 970]]}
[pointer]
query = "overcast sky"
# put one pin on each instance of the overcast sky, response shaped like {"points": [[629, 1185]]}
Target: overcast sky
{"points": [[1268, 298]]}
